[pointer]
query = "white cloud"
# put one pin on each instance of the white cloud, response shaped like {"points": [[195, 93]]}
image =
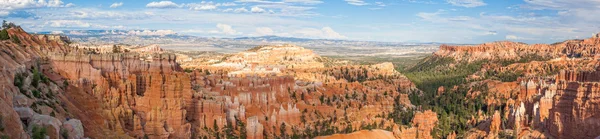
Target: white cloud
{"points": [[263, 31], [324, 33], [257, 10], [467, 3], [330, 33], [68, 24], [68, 5], [491, 33], [226, 29], [514, 37], [356, 2], [304, 1], [162, 4], [4, 13], [151, 32], [202, 6], [7, 6], [116, 4], [241, 10], [228, 10], [259, 1], [431, 16], [57, 32], [227, 4], [76, 32]]}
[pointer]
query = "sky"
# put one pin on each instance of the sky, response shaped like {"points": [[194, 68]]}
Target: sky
{"points": [[446, 21]]}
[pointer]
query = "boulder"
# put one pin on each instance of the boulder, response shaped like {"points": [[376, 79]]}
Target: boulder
{"points": [[73, 128], [25, 113], [51, 124]]}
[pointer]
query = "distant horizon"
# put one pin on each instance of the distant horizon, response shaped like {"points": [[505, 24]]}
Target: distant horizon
{"points": [[238, 37], [451, 21]]}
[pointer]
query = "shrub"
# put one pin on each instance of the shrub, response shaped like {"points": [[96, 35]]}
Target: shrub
{"points": [[16, 39], [1, 124], [36, 93], [188, 70], [4, 35], [64, 134], [38, 132], [37, 77], [18, 80], [65, 84]]}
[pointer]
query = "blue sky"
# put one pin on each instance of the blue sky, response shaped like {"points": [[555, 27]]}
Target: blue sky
{"points": [[450, 21]]}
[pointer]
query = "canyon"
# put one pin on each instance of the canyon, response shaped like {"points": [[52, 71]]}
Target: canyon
{"points": [[269, 91], [55, 88], [538, 91]]}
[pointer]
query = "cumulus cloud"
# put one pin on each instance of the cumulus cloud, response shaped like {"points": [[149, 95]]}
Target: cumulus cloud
{"points": [[241, 10], [7, 6], [69, 5], [57, 32], [151, 32], [68, 24], [116, 4], [226, 29], [325, 33], [202, 6], [514, 37], [467, 3], [356, 2], [162, 4], [257, 10], [329, 33], [262, 31], [491, 33], [304, 1]]}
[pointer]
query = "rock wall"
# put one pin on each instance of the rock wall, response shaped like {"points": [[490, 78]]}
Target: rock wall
{"points": [[422, 125], [505, 50], [574, 113], [139, 97]]}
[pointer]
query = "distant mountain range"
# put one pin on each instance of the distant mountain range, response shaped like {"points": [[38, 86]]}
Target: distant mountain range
{"points": [[171, 40], [82, 34]]}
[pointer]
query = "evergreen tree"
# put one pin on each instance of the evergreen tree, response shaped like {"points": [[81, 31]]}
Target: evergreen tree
{"points": [[282, 129], [4, 35]]}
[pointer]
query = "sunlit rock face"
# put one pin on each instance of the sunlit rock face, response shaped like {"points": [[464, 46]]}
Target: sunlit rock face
{"points": [[576, 105], [363, 134], [139, 95], [17, 57], [505, 50], [148, 97]]}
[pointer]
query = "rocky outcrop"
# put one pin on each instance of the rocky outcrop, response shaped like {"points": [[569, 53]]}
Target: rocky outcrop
{"points": [[263, 60], [363, 134], [495, 123], [17, 54], [148, 49], [73, 129], [109, 95], [141, 98], [519, 51], [254, 128], [51, 124], [422, 125], [574, 113]]}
